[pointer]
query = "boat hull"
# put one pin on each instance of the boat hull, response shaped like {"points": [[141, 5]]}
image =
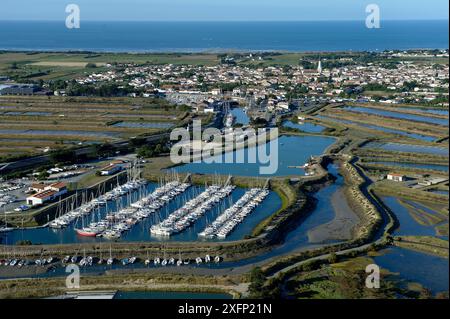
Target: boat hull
{"points": [[83, 233]]}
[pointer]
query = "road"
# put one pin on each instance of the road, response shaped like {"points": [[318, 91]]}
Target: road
{"points": [[35, 161]]}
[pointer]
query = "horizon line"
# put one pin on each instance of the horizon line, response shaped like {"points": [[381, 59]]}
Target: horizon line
{"points": [[249, 21]]}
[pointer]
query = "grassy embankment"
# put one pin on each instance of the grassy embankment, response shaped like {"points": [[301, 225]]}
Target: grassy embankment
{"points": [[390, 123], [41, 288], [426, 244]]}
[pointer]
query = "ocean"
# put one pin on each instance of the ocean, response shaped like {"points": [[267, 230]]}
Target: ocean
{"points": [[223, 36]]}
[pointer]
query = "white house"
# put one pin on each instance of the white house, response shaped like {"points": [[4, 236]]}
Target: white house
{"points": [[396, 177], [48, 193]]}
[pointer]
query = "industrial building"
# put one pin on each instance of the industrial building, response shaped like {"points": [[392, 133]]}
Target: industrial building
{"points": [[46, 193], [19, 89]]}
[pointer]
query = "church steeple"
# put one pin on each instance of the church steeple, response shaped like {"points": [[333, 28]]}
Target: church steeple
{"points": [[319, 67]]}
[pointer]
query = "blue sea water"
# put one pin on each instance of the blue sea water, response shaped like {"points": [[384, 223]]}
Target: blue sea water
{"points": [[217, 36]]}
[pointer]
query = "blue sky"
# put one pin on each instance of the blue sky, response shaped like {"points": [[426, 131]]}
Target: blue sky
{"points": [[213, 10]]}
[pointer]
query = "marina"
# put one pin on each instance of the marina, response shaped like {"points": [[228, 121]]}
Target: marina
{"points": [[227, 222], [116, 223], [141, 231], [184, 217]]}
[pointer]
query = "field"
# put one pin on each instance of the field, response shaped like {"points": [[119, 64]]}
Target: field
{"points": [[32, 125], [64, 66], [361, 121]]}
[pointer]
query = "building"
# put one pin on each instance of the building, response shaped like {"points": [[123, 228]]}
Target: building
{"points": [[46, 194], [432, 181], [319, 68], [111, 169], [216, 92], [19, 89], [396, 177], [37, 187]]}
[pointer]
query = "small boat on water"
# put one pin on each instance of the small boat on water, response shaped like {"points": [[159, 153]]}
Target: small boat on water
{"points": [[87, 232]]}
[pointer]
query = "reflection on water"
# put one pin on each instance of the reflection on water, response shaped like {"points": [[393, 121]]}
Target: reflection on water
{"points": [[409, 148], [293, 151], [241, 116], [428, 270], [414, 165], [305, 127], [408, 225]]}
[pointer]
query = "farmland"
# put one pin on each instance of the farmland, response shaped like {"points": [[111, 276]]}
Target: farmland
{"points": [[33, 125]]}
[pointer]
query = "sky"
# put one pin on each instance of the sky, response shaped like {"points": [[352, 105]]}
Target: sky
{"points": [[223, 10]]}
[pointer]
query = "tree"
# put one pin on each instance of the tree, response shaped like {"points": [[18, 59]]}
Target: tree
{"points": [[158, 149], [257, 279], [145, 152], [43, 176], [62, 156], [105, 149], [333, 258]]}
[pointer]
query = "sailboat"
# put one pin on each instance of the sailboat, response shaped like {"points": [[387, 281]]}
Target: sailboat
{"points": [[147, 261], [110, 260], [180, 260], [86, 231], [5, 228]]}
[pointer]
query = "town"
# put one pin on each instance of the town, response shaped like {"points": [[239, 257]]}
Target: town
{"points": [[87, 176]]}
